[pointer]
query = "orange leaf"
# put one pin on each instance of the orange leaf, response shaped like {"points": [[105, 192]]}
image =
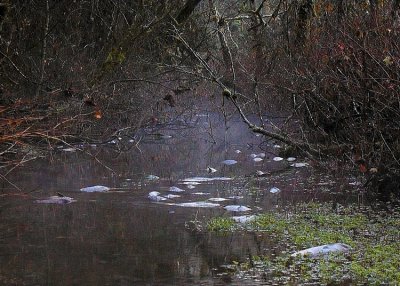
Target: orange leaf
{"points": [[329, 8], [98, 114]]}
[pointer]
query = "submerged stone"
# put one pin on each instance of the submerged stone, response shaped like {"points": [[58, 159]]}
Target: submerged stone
{"points": [[299, 165], [201, 193], [274, 190], [229, 162], [235, 197], [155, 196], [152, 194], [69, 149], [217, 199], [244, 218], [152, 177], [323, 250], [172, 196], [198, 205], [277, 159], [176, 190], [260, 173], [198, 180], [60, 200], [237, 208], [93, 189], [193, 183]]}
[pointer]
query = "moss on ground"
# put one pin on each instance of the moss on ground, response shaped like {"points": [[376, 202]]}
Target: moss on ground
{"points": [[373, 235]]}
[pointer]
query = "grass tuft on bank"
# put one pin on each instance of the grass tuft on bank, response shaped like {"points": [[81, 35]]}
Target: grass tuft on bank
{"points": [[374, 236]]}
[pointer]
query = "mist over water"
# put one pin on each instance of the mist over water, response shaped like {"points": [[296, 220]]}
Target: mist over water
{"points": [[120, 237]]}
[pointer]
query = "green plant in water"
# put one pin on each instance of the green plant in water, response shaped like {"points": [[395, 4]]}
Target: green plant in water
{"points": [[221, 224]]}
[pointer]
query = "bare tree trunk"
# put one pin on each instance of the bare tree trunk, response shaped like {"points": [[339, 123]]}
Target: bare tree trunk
{"points": [[121, 50], [222, 40], [259, 57], [395, 10], [373, 7], [304, 14], [340, 11], [187, 10], [43, 57], [3, 13]]}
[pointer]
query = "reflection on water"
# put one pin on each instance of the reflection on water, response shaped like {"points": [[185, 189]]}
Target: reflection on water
{"points": [[121, 237]]}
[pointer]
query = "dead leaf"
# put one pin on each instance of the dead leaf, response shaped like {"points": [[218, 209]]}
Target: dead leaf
{"points": [[363, 168], [98, 114], [388, 60]]}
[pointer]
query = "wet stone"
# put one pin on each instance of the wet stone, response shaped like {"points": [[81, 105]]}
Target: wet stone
{"points": [[176, 190], [198, 205], [323, 250], [59, 200], [274, 190], [237, 208], [229, 162], [92, 189]]}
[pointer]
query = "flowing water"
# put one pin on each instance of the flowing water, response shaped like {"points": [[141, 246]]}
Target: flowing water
{"points": [[121, 237]]}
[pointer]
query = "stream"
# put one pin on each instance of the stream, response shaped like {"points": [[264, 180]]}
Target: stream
{"points": [[123, 237]]}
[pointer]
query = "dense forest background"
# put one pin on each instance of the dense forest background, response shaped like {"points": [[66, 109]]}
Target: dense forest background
{"points": [[74, 71]]}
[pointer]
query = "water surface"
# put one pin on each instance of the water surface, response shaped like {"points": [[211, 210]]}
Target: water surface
{"points": [[121, 237]]}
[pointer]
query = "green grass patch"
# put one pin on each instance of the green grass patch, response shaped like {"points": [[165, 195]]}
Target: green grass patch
{"points": [[373, 235], [221, 224]]}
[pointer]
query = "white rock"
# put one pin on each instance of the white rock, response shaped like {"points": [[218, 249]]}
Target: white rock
{"points": [[69, 149], [172, 196], [152, 194], [277, 159], [59, 200], [323, 250], [235, 197], [217, 199], [244, 218], [274, 190], [299, 165], [201, 193], [93, 189], [193, 183], [237, 208], [176, 190], [155, 196], [198, 180], [198, 205], [229, 162], [211, 170], [152, 177]]}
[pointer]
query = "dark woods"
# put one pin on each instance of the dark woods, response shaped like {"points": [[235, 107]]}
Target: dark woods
{"points": [[85, 70]]}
